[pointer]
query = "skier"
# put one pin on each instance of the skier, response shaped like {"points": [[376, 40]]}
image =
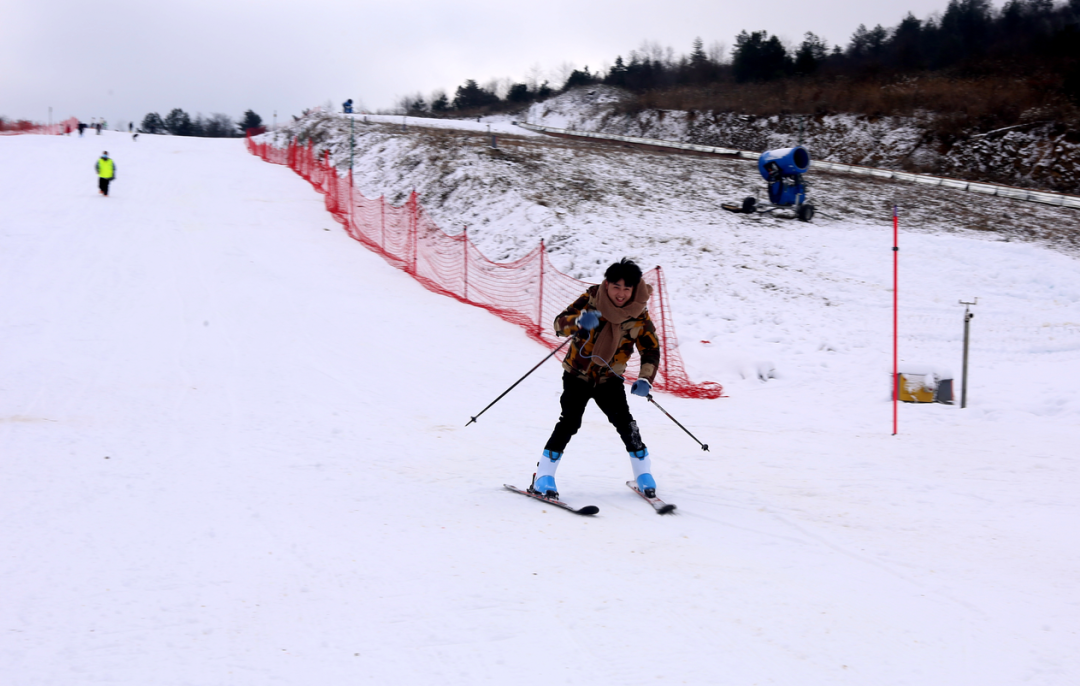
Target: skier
{"points": [[347, 105], [106, 170], [608, 321]]}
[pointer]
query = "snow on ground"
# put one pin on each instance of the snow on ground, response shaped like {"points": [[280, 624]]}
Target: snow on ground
{"points": [[493, 123], [1039, 154], [234, 449]]}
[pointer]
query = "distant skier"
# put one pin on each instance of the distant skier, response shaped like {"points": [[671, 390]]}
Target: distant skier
{"points": [[106, 171], [347, 105], [608, 321]]}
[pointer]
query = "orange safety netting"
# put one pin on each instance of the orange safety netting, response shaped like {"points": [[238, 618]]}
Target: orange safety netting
{"points": [[528, 292], [69, 125]]}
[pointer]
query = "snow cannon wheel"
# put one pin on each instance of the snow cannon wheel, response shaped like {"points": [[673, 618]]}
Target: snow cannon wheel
{"points": [[805, 212], [749, 205]]}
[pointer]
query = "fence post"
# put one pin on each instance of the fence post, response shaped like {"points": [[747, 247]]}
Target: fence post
{"points": [[540, 296], [352, 206], [663, 324], [465, 255], [382, 221], [415, 227]]}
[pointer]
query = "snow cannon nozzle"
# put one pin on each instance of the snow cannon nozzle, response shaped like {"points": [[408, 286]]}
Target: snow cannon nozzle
{"points": [[786, 162]]}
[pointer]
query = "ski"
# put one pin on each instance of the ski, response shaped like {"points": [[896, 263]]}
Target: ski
{"points": [[587, 510], [659, 505]]}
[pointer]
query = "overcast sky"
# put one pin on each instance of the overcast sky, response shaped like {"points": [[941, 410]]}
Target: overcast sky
{"points": [[121, 59]]}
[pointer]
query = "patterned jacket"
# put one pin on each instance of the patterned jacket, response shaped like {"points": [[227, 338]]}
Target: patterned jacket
{"points": [[638, 332]]}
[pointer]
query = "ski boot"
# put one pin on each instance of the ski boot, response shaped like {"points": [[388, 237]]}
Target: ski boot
{"points": [[544, 479], [639, 460]]}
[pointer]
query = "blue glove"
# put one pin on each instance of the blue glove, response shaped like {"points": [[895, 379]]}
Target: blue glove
{"points": [[588, 320], [641, 387]]}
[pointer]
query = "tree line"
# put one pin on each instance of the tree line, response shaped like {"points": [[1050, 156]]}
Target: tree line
{"points": [[1027, 39], [179, 123]]}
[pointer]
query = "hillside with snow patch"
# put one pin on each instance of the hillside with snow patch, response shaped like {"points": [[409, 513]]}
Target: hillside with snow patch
{"points": [[1039, 153]]}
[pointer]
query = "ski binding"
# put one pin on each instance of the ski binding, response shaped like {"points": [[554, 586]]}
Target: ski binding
{"points": [[659, 505]]}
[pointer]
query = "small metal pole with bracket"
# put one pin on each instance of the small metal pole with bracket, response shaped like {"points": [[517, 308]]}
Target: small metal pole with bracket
{"points": [[967, 337]]}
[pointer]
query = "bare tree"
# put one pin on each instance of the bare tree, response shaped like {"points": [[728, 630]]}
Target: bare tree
{"points": [[563, 72], [718, 52], [535, 76]]}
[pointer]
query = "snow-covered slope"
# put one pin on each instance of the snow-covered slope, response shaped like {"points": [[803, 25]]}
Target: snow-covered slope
{"points": [[1039, 153], [233, 442]]}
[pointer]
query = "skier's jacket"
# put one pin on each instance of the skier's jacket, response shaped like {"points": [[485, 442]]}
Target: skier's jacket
{"points": [[106, 168], [638, 332]]}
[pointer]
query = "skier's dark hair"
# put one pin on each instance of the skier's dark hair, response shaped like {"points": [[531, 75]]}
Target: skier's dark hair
{"points": [[624, 270]]}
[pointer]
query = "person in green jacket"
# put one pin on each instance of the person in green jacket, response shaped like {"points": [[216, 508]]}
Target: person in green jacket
{"points": [[106, 171]]}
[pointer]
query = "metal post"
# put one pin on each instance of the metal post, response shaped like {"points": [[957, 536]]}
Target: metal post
{"points": [[896, 319], [967, 337], [352, 140]]}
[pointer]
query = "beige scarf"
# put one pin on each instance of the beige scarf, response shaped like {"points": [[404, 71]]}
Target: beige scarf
{"points": [[608, 340]]}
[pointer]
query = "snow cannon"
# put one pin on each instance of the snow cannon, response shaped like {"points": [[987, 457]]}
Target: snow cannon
{"points": [[788, 162], [783, 172]]}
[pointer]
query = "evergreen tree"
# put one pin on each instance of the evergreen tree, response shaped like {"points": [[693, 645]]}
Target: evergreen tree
{"points": [[617, 74], [907, 44], [965, 30], [519, 93], [178, 123], [579, 78], [812, 53], [440, 103], [250, 120], [198, 126], [471, 96], [759, 57], [698, 58], [700, 68], [152, 123]]}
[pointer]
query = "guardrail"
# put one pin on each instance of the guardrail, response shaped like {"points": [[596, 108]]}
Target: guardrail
{"points": [[1011, 192]]}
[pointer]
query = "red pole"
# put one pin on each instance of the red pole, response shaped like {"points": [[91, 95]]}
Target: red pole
{"points": [[465, 256], [896, 318]]}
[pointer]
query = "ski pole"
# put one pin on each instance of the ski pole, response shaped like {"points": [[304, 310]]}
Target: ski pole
{"points": [[653, 401], [569, 338]]}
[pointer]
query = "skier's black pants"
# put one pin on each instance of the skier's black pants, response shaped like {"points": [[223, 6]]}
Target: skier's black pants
{"points": [[103, 184], [610, 397]]}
